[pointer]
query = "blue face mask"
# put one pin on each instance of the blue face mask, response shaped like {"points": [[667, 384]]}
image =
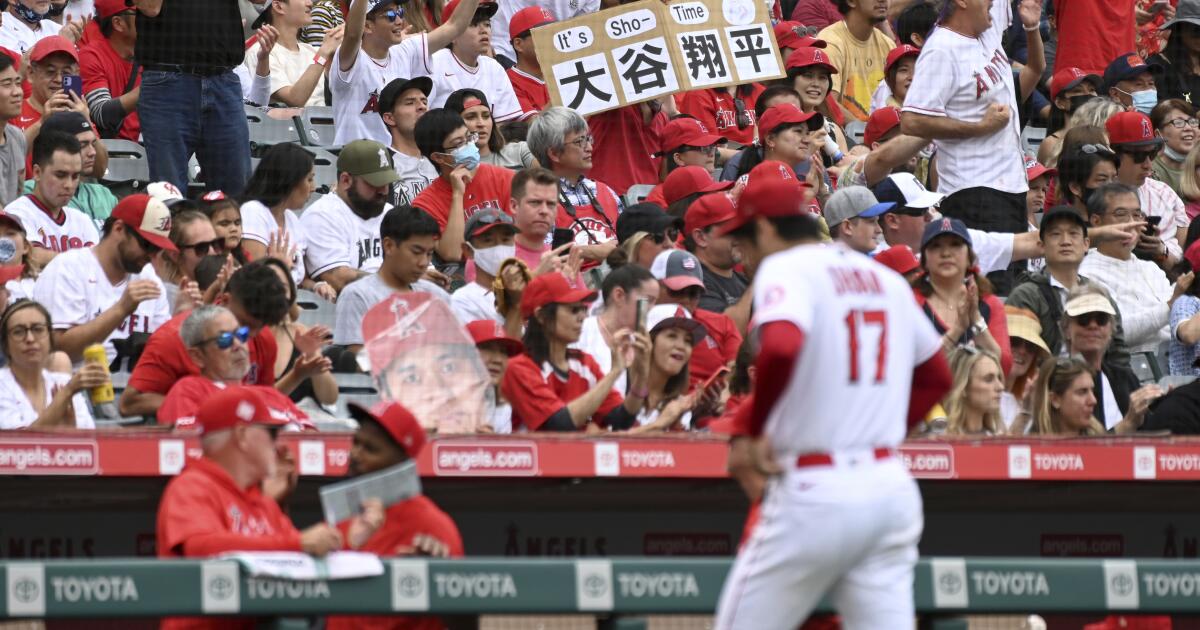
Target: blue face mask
{"points": [[1145, 100], [29, 15], [467, 155]]}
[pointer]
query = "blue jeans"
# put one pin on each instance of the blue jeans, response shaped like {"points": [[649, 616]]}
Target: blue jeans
{"points": [[182, 114]]}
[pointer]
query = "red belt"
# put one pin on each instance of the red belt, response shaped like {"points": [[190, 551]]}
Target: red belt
{"points": [[825, 459]]}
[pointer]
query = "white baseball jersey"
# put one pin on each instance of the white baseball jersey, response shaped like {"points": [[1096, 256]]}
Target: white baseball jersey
{"points": [[356, 93], [863, 335], [16, 36], [450, 74], [71, 230], [960, 78], [16, 412], [336, 237], [258, 225], [75, 289]]}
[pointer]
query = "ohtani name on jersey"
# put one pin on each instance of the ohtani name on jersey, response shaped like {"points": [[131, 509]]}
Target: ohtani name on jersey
{"points": [[994, 70], [857, 281], [369, 248]]}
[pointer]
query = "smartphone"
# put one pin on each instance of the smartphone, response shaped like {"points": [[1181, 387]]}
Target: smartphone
{"points": [[708, 382], [562, 236], [643, 305], [73, 83], [1152, 225]]}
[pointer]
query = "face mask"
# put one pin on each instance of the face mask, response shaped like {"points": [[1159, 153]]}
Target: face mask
{"points": [[1078, 100], [1145, 100], [488, 259], [29, 15], [1173, 154], [467, 155]]}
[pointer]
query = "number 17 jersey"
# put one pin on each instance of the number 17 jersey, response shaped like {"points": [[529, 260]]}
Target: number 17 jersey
{"points": [[863, 335]]}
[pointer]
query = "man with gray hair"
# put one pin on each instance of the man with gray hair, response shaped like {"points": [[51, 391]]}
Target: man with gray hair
{"points": [[853, 217], [217, 343], [560, 140], [1141, 290]]}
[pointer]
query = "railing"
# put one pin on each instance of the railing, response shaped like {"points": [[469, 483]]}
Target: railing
{"points": [[147, 588]]}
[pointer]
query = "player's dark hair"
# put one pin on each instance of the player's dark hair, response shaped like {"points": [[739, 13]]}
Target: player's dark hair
{"points": [[16, 307], [404, 222], [537, 174], [1075, 167], [50, 142], [627, 277], [918, 19], [283, 167], [260, 292], [796, 228], [433, 128], [770, 94], [6, 62]]}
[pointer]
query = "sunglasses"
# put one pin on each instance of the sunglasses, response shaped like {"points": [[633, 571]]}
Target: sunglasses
{"points": [[669, 235], [224, 340], [743, 116], [147, 246], [708, 150], [1087, 319], [392, 14], [217, 245], [1092, 149], [805, 31], [1141, 156]]}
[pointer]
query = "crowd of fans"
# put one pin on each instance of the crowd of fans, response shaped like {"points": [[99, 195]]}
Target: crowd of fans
{"points": [[1031, 168]]}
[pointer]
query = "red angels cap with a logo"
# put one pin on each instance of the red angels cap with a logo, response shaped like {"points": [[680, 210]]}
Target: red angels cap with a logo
{"points": [[785, 113], [708, 210], [686, 132], [528, 18], [491, 331], [688, 180], [232, 406], [148, 217], [1131, 129], [772, 190], [552, 288], [399, 423], [1068, 78], [900, 52], [880, 123], [809, 56]]}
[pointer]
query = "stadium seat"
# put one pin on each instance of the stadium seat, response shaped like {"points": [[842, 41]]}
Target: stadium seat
{"points": [[266, 131], [316, 126], [315, 310], [855, 130], [637, 193], [128, 171], [1031, 139], [1145, 367], [359, 388]]}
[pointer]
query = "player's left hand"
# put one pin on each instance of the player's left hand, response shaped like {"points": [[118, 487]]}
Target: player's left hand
{"points": [[363, 526]]}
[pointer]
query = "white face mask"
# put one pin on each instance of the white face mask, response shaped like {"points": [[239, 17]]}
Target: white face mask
{"points": [[488, 259]]}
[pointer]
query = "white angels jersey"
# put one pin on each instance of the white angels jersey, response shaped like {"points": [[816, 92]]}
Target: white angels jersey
{"points": [[356, 93], [863, 336], [336, 237], [71, 230]]}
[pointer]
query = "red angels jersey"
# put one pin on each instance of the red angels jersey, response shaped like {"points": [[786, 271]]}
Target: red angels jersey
{"points": [[490, 187], [863, 336]]}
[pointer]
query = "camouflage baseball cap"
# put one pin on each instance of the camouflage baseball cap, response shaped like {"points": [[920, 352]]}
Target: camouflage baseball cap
{"points": [[369, 160]]}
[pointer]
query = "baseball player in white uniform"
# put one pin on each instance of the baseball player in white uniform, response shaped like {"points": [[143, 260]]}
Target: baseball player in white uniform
{"points": [[842, 347]]}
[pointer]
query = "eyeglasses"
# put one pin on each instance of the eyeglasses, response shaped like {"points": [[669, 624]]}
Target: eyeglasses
{"points": [[470, 138], [1092, 149], [225, 340], [1141, 156], [805, 31], [669, 235], [19, 332], [708, 150], [1180, 123], [1087, 319], [743, 116], [583, 141], [1129, 215], [217, 245], [147, 246]]}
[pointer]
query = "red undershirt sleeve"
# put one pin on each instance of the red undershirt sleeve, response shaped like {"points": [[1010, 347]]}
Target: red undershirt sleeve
{"points": [[931, 382], [780, 343]]}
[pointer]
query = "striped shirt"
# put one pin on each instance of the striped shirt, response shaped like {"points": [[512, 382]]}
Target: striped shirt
{"points": [[1158, 200], [326, 14], [1141, 291]]}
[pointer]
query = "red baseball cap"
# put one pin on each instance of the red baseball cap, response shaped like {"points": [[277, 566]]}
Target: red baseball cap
{"points": [[1035, 169], [486, 8], [108, 8], [687, 180], [772, 191], [790, 34], [399, 422], [686, 132], [1132, 129], [47, 46], [147, 216], [489, 330], [14, 55], [782, 114], [810, 56], [880, 123], [12, 221], [898, 258], [551, 288], [527, 18], [898, 53], [232, 406], [1068, 78], [708, 210]]}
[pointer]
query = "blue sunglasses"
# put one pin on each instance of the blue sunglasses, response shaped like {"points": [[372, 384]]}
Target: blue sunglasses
{"points": [[224, 340]]}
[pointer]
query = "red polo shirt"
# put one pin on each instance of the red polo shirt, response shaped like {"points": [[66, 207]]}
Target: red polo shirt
{"points": [[103, 69], [717, 110], [491, 187], [531, 92], [538, 392]]}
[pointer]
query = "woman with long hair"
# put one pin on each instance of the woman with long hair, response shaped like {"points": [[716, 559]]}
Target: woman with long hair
{"points": [[1175, 122], [956, 297], [304, 371], [810, 72], [1064, 400], [1028, 352], [30, 395], [673, 335], [473, 106], [973, 404], [786, 134], [553, 387], [194, 238], [280, 185]]}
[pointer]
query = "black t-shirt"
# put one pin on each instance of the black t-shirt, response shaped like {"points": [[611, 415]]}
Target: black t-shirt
{"points": [[203, 33], [1177, 412], [720, 292]]}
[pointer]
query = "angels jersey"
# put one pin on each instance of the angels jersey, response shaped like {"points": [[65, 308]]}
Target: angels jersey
{"points": [[71, 230], [863, 336], [356, 93], [258, 225], [336, 237]]}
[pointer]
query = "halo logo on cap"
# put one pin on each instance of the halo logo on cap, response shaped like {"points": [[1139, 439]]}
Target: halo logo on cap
{"points": [[245, 411], [946, 225]]}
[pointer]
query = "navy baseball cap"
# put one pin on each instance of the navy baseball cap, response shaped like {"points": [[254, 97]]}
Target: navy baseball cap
{"points": [[1127, 66], [945, 226], [1058, 213]]}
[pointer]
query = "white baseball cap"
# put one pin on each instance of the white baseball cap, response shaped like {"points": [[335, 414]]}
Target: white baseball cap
{"points": [[906, 192]]}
